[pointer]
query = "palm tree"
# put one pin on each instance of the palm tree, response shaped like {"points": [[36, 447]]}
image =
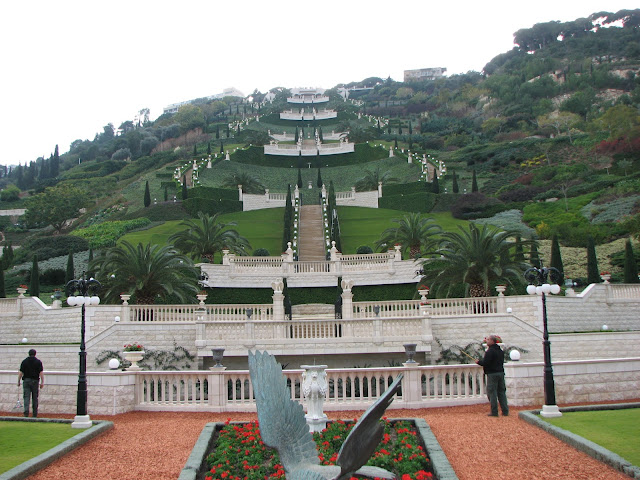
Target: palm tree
{"points": [[207, 236], [371, 179], [477, 258], [249, 183], [146, 271], [415, 232]]}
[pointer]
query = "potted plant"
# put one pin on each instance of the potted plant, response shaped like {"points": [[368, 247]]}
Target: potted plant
{"points": [[133, 352]]}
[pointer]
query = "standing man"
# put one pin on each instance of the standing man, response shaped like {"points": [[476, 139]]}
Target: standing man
{"points": [[30, 372], [493, 365]]}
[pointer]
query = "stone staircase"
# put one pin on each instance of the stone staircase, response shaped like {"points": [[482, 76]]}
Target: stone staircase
{"points": [[311, 234]]}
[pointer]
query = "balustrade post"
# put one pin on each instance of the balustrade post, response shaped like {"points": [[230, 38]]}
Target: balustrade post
{"points": [[217, 390], [278, 300], [412, 386], [347, 299]]}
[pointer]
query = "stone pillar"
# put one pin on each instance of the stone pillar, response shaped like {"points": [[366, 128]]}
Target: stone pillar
{"points": [[278, 300], [379, 189], [334, 251], [412, 386], [225, 256], [240, 193], [227, 157], [217, 390], [390, 152], [501, 303], [324, 191], [314, 389], [296, 192], [397, 254], [266, 195], [409, 158], [347, 299]]}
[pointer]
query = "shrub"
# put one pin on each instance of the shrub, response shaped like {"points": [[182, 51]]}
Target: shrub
{"points": [[522, 194], [509, 220], [107, 233], [364, 249], [260, 252], [472, 205], [210, 206], [160, 213], [53, 276], [49, 247], [413, 202], [10, 193]]}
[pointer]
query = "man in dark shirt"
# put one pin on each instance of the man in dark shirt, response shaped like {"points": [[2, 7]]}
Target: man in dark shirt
{"points": [[30, 372], [493, 365]]}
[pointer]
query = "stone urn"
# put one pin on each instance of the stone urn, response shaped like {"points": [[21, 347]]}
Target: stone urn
{"points": [[217, 354], [201, 298], [605, 278], [134, 357], [21, 292], [410, 350], [125, 298]]}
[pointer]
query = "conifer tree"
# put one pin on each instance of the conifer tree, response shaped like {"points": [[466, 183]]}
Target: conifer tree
{"points": [[593, 274], [474, 182], [209, 148], [435, 185], [395, 144], [534, 258], [70, 272], [221, 148], [399, 128], [147, 195], [455, 188], [410, 129], [389, 128], [184, 187], [288, 219], [296, 136], [34, 285], [217, 132], [379, 129], [166, 194], [89, 260], [556, 258], [227, 130], [195, 149], [54, 168], [3, 293], [518, 255], [299, 178], [630, 264], [319, 181]]}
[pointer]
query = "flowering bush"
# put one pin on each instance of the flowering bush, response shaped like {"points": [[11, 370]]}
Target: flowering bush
{"points": [[240, 453], [23, 286], [133, 347]]}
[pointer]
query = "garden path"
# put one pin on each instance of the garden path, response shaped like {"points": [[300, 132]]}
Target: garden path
{"points": [[155, 446], [311, 234]]}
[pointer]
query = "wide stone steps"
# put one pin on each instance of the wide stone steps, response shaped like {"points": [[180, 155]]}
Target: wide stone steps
{"points": [[311, 234]]}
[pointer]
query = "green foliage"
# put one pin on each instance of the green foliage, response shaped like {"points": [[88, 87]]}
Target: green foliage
{"points": [[593, 273], [34, 284], [55, 206], [193, 206], [215, 193], [10, 193], [413, 231], [364, 250], [227, 296], [423, 202], [556, 257], [70, 273], [3, 293], [161, 212], [106, 234], [147, 195], [630, 265], [371, 293], [49, 247], [509, 220]]}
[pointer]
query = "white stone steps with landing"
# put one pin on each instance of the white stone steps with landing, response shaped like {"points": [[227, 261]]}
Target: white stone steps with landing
{"points": [[311, 234]]}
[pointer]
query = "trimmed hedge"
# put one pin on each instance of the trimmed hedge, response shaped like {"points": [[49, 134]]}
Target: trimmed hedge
{"points": [[238, 295], [371, 293], [49, 247], [162, 212], [106, 234], [214, 193], [412, 202], [208, 205], [363, 153], [405, 188]]}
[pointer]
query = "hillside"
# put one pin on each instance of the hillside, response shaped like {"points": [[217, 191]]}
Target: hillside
{"points": [[549, 131]]}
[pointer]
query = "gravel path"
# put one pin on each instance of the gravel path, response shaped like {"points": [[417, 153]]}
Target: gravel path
{"points": [[155, 446]]}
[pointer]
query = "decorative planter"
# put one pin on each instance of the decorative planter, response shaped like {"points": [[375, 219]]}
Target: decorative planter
{"points": [[201, 299], [21, 292], [501, 289], [217, 354], [125, 299], [606, 277], [134, 357], [410, 350]]}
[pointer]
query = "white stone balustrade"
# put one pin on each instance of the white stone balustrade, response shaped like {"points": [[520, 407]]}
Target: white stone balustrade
{"points": [[309, 151]]}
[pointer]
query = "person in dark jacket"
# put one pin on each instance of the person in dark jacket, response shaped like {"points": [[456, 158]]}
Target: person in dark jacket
{"points": [[30, 372], [493, 365]]}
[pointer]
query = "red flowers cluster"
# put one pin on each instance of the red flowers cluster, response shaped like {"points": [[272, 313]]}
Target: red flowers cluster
{"points": [[133, 347], [240, 453]]}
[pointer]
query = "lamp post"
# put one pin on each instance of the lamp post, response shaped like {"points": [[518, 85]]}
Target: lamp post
{"points": [[79, 293], [537, 278]]}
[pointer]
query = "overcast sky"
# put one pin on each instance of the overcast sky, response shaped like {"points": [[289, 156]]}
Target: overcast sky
{"points": [[71, 67]]}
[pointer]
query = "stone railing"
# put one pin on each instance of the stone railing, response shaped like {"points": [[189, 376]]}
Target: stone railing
{"points": [[196, 313], [319, 115], [221, 390], [308, 99], [628, 291], [8, 305], [308, 151]]}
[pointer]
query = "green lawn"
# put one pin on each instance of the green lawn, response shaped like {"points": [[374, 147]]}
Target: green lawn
{"points": [[21, 441], [363, 226], [615, 430], [263, 229]]}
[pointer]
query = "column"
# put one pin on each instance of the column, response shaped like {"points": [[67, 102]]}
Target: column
{"points": [[347, 299]]}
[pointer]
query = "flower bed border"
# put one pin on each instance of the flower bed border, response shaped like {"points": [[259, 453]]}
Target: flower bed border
{"points": [[580, 443], [196, 463]]}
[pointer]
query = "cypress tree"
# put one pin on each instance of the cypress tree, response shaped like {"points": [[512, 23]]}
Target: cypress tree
{"points": [[519, 252], [147, 195], [474, 182], [630, 264], [209, 148], [410, 129], [34, 285], [299, 178], [217, 132], [399, 129], [593, 274], [319, 181], [389, 128], [166, 194], [184, 187], [534, 258], [288, 216], [435, 185], [227, 130], [395, 144], [195, 149], [55, 164], [556, 258], [90, 273], [221, 147], [70, 272], [296, 136], [455, 187], [3, 293], [379, 129]]}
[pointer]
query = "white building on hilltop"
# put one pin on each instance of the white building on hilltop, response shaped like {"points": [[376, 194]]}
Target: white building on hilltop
{"points": [[227, 92]]}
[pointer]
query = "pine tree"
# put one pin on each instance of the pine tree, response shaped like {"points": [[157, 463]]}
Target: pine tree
{"points": [[593, 274], [147, 195], [534, 258], [474, 182], [70, 272], [455, 187], [184, 187], [54, 168], [3, 293], [556, 258], [435, 185], [34, 285], [630, 264], [299, 178], [319, 181]]}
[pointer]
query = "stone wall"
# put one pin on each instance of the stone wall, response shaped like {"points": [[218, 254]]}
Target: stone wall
{"points": [[577, 381]]}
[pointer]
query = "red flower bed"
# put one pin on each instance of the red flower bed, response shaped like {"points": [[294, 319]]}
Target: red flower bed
{"points": [[240, 453]]}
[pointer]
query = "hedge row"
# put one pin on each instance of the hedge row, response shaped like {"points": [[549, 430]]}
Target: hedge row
{"points": [[210, 206], [214, 193], [404, 188], [162, 212], [106, 234], [412, 202]]}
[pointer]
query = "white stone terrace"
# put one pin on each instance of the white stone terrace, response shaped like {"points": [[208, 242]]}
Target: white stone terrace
{"points": [[260, 272], [312, 150], [308, 98], [290, 137], [314, 114]]}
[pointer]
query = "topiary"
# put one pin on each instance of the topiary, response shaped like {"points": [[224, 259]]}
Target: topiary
{"points": [[364, 249]]}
